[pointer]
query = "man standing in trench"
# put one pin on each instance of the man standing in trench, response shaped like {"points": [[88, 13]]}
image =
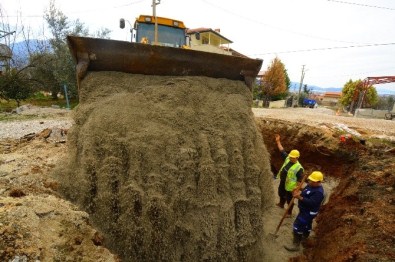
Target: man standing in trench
{"points": [[309, 203], [290, 174]]}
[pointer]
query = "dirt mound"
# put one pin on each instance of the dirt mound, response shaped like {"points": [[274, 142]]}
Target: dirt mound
{"points": [[170, 168]]}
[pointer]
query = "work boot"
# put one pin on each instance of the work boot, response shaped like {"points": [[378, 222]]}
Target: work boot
{"points": [[305, 236], [295, 246], [281, 203]]}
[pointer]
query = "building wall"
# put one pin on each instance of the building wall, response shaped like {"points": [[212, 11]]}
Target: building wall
{"points": [[277, 104], [213, 47], [370, 113]]}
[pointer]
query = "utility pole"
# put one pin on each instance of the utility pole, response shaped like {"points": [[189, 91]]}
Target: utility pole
{"points": [[363, 89], [154, 4], [300, 85]]}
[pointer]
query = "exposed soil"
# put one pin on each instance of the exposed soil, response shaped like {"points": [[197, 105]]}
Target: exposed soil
{"points": [[355, 224], [36, 224]]}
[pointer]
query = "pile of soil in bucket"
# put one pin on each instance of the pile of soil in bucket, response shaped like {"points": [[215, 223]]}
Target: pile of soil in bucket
{"points": [[169, 168]]}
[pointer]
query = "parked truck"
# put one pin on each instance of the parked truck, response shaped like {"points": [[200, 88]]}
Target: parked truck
{"points": [[309, 103]]}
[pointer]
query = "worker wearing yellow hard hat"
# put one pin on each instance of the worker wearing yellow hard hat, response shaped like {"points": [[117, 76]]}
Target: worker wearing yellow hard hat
{"points": [[291, 172], [316, 176], [294, 154], [309, 203]]}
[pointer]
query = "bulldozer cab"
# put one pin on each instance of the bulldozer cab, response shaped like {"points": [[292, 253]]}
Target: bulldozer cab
{"points": [[171, 33]]}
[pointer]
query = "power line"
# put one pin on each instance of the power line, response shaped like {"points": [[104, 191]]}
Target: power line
{"points": [[372, 6], [324, 48], [248, 18], [81, 11]]}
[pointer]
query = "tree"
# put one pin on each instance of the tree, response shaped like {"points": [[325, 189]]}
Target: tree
{"points": [[287, 80], [305, 93], [371, 97], [390, 103], [385, 103], [59, 68], [16, 81], [349, 93], [256, 91], [14, 85], [355, 92], [275, 81], [48, 68]]}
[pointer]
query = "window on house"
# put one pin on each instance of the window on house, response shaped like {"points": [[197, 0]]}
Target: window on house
{"points": [[205, 41]]}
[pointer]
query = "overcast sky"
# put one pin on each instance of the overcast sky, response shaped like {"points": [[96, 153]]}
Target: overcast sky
{"points": [[335, 41]]}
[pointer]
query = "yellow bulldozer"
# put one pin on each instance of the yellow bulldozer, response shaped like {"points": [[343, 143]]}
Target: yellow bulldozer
{"points": [[159, 46]]}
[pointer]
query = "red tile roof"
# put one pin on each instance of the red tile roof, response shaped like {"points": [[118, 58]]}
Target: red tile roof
{"points": [[333, 94]]}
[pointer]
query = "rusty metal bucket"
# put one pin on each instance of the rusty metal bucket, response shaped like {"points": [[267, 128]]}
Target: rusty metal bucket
{"points": [[94, 54]]}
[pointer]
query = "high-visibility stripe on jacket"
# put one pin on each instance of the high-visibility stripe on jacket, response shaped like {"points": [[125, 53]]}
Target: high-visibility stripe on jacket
{"points": [[291, 179]]}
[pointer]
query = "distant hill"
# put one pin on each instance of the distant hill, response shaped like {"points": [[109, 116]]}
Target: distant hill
{"points": [[317, 89], [21, 49]]}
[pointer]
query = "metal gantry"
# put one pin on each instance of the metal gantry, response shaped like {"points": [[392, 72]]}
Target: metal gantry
{"points": [[368, 82]]}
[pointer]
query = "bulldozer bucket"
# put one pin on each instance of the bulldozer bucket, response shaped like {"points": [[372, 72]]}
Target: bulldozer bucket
{"points": [[94, 54]]}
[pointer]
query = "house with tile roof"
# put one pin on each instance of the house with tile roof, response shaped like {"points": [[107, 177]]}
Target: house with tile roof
{"points": [[209, 40], [329, 98]]}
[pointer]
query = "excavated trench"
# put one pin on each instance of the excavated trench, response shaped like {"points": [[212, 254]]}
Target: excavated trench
{"points": [[356, 222], [320, 149], [175, 169]]}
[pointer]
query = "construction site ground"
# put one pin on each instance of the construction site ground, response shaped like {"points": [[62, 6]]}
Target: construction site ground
{"points": [[356, 155]]}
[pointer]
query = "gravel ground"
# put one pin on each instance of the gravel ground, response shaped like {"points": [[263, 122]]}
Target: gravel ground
{"points": [[378, 128], [61, 118], [35, 120], [18, 129]]}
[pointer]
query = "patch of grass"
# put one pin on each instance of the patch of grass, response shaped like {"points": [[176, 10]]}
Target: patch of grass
{"points": [[7, 106], [38, 99], [11, 117], [381, 142]]}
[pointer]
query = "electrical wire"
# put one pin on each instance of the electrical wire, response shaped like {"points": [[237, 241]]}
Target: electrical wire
{"points": [[276, 27], [372, 6], [323, 48], [82, 11]]}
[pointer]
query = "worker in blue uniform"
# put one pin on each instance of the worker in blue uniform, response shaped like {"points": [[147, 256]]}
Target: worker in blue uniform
{"points": [[309, 203]]}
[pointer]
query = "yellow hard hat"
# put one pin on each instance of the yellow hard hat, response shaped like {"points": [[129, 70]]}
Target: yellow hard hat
{"points": [[294, 153], [316, 176]]}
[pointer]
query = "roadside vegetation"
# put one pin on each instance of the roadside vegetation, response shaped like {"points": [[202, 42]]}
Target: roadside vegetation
{"points": [[38, 99], [48, 67]]}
